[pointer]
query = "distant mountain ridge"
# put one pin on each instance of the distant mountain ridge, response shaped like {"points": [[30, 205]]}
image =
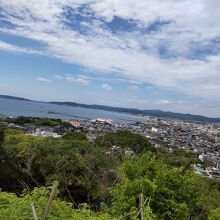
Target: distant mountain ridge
{"points": [[14, 98], [155, 113]]}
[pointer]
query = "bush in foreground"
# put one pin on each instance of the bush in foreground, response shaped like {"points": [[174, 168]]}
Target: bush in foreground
{"points": [[19, 208]]}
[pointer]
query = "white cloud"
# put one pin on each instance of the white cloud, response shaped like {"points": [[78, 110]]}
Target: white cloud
{"points": [[164, 102], [78, 80], [106, 87], [13, 48], [133, 55], [58, 77], [42, 79]]}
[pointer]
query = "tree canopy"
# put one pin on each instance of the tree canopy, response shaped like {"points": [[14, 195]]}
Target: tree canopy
{"points": [[108, 181]]}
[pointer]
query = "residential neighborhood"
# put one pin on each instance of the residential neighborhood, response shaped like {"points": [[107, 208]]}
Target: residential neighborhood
{"points": [[200, 139]]}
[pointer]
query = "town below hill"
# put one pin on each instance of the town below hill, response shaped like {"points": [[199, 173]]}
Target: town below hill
{"points": [[105, 170]]}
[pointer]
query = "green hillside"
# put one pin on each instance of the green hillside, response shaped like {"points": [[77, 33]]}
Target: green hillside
{"points": [[101, 180]]}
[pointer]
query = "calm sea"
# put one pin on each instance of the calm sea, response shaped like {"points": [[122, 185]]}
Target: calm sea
{"points": [[13, 108]]}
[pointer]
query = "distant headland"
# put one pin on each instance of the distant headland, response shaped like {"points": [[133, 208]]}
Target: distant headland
{"points": [[146, 112]]}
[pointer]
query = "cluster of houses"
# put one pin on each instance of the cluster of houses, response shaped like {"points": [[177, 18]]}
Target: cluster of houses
{"points": [[201, 139]]}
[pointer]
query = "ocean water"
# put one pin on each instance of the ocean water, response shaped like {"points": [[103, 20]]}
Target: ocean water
{"points": [[14, 108]]}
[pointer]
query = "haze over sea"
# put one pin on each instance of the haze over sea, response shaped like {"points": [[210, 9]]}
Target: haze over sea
{"points": [[14, 108]]}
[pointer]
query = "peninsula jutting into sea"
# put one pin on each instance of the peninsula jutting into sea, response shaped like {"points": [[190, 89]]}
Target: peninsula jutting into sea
{"points": [[200, 139], [87, 151], [156, 113]]}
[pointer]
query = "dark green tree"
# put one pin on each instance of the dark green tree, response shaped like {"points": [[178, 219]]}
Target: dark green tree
{"points": [[174, 192], [2, 135], [125, 140]]}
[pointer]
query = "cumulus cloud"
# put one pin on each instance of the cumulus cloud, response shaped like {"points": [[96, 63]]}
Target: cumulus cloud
{"points": [[174, 43], [78, 80], [44, 80], [106, 87]]}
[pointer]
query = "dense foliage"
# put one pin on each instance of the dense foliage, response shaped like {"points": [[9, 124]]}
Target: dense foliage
{"points": [[124, 141], [174, 192], [2, 135], [37, 121], [104, 176], [83, 169], [19, 208]]}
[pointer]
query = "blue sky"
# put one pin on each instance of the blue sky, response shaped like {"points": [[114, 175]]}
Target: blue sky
{"points": [[148, 54]]}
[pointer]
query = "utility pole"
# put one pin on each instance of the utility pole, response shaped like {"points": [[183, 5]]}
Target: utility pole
{"points": [[52, 194], [141, 205]]}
